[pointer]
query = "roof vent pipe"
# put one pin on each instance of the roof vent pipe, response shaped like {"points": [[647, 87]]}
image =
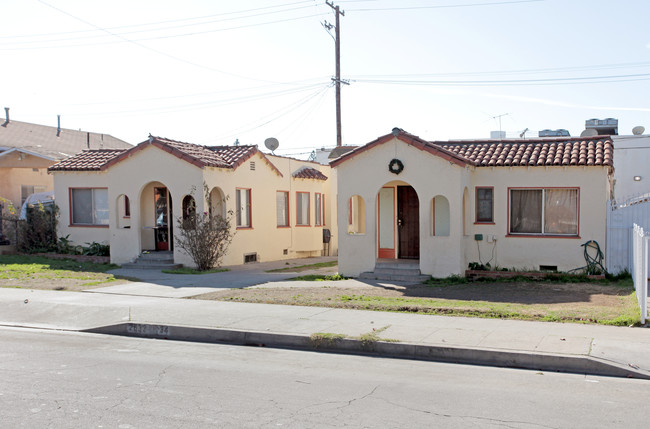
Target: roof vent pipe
{"points": [[58, 125], [7, 117], [88, 140]]}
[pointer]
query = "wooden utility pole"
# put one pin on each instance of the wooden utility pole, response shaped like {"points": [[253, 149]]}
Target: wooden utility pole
{"points": [[337, 78]]}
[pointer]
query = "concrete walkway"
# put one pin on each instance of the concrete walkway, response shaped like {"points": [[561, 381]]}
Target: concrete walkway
{"points": [[157, 283], [590, 349]]}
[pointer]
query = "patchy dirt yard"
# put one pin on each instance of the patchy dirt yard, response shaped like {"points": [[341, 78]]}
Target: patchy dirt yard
{"points": [[613, 303], [37, 272]]}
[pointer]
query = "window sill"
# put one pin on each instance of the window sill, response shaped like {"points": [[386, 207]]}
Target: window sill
{"points": [[283, 226], [484, 223], [303, 226], [87, 226], [244, 227], [543, 236]]}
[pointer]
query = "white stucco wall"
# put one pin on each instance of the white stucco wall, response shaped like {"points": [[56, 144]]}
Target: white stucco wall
{"points": [[430, 175], [631, 158], [531, 252]]}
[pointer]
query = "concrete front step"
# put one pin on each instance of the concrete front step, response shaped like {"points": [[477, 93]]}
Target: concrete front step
{"points": [[157, 256], [154, 261], [417, 278], [397, 271], [398, 265], [151, 266]]}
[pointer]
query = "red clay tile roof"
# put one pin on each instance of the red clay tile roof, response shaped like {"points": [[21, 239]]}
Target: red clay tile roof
{"points": [[596, 151], [309, 173], [88, 160], [201, 156]]}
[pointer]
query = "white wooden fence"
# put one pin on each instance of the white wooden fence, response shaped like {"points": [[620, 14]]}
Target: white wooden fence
{"points": [[621, 217], [640, 268]]}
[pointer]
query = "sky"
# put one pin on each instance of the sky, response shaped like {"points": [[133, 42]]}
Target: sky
{"points": [[212, 72]]}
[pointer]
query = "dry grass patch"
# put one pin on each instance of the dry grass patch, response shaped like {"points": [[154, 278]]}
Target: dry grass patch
{"points": [[606, 303]]}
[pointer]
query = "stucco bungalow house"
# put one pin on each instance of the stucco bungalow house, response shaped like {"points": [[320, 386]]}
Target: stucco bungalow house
{"points": [[526, 203], [132, 199], [27, 150]]}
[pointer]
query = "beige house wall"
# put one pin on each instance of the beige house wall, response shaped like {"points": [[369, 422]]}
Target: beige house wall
{"points": [[62, 185], [431, 176], [136, 176], [15, 173]]}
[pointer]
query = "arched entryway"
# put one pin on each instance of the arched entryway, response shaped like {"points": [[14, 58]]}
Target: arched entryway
{"points": [[398, 222], [156, 218]]}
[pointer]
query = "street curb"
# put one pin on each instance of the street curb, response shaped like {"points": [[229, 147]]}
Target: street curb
{"points": [[577, 364]]}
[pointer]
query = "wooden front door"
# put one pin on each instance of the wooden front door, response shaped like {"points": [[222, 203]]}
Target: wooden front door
{"points": [[408, 222]]}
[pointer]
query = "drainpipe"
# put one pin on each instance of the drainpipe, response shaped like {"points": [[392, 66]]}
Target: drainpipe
{"points": [[7, 117], [58, 126], [88, 140]]}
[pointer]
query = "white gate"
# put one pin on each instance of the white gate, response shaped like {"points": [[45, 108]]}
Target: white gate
{"points": [[640, 269], [621, 217]]}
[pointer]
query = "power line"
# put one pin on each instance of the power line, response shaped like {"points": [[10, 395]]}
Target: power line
{"points": [[152, 49], [169, 21], [513, 82], [445, 6]]}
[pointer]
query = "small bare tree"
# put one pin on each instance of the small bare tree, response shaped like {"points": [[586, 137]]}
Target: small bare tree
{"points": [[204, 237]]}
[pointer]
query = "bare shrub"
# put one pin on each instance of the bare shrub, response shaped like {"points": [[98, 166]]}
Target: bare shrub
{"points": [[203, 237]]}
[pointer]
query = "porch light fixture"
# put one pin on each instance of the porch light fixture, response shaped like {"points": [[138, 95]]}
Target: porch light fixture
{"points": [[637, 178]]}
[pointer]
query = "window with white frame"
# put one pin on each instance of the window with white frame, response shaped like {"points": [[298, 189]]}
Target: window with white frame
{"points": [[318, 213], [302, 208], [243, 201], [544, 211], [89, 206], [282, 207]]}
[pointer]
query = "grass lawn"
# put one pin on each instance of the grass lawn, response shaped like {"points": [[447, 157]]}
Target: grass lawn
{"points": [[604, 302], [39, 272]]}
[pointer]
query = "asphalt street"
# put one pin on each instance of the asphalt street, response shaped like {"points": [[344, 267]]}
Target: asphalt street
{"points": [[66, 379]]}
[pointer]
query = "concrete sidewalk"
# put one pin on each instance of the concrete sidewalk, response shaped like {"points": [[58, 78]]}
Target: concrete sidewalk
{"points": [[590, 349]]}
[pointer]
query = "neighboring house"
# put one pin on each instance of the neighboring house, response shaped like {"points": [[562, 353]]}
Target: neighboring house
{"points": [[631, 166], [27, 150], [526, 203], [133, 198]]}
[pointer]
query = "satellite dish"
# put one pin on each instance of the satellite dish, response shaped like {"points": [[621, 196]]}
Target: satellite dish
{"points": [[589, 132], [271, 143], [637, 131]]}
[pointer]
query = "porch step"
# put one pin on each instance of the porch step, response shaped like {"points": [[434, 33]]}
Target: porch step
{"points": [[399, 271], [154, 261], [420, 278]]}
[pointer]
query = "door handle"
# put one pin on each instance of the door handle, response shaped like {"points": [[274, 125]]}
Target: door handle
{"points": [[399, 222]]}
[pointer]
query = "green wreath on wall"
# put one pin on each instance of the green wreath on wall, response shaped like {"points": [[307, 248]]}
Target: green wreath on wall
{"points": [[395, 166]]}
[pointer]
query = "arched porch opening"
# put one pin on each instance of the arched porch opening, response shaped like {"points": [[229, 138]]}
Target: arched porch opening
{"points": [[156, 218], [217, 203], [398, 221]]}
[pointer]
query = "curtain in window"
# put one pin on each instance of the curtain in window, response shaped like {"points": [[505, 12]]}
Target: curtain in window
{"points": [[243, 207], [526, 211], [317, 209], [100, 200], [302, 215], [82, 206], [281, 208], [561, 211]]}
